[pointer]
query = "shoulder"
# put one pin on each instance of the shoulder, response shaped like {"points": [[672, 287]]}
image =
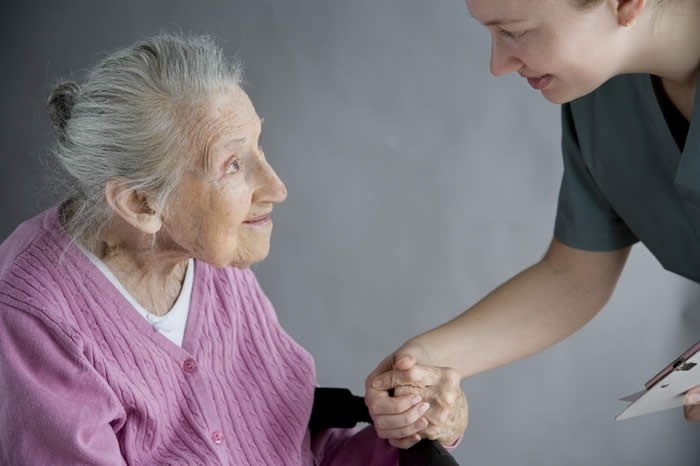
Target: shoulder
{"points": [[28, 256], [614, 98], [36, 272], [604, 117], [22, 238]]}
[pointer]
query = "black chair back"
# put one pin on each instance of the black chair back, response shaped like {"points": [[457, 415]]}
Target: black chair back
{"points": [[338, 407]]}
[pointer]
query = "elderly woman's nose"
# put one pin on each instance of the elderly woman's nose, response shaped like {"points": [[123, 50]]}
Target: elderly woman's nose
{"points": [[271, 187]]}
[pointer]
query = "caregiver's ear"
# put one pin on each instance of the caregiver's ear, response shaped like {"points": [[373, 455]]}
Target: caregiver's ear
{"points": [[132, 206], [627, 11]]}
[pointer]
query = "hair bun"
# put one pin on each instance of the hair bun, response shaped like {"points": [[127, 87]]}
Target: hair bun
{"points": [[61, 103]]}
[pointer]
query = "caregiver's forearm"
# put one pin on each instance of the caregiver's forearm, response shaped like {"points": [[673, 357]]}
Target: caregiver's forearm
{"points": [[535, 309]]}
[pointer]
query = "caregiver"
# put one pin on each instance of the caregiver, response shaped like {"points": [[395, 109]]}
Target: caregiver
{"points": [[626, 72]]}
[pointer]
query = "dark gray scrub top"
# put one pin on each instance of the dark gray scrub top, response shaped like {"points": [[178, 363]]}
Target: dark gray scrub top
{"points": [[625, 178]]}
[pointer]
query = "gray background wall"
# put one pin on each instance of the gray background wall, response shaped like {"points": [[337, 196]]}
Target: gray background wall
{"points": [[417, 183]]}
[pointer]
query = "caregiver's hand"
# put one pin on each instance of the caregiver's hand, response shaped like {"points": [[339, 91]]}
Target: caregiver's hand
{"points": [[427, 403], [692, 404]]}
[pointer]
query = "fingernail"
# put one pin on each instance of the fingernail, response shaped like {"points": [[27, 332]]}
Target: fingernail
{"points": [[424, 407], [416, 399], [692, 399]]}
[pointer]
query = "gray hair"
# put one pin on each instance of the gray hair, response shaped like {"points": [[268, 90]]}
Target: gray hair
{"points": [[132, 119]]}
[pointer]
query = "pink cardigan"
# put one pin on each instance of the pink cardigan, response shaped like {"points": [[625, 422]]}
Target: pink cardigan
{"points": [[84, 379]]}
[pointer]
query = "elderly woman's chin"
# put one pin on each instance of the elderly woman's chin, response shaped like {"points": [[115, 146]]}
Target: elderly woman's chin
{"points": [[248, 260], [250, 249]]}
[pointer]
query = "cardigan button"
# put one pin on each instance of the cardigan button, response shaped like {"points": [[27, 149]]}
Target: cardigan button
{"points": [[217, 437], [189, 366]]}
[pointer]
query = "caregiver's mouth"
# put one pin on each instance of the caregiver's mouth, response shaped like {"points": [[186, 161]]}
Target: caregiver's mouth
{"points": [[540, 82]]}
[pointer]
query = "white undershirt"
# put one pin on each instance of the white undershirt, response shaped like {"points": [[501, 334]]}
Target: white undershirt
{"points": [[171, 325]]}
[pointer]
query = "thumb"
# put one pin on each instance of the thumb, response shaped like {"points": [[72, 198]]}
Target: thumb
{"points": [[404, 359]]}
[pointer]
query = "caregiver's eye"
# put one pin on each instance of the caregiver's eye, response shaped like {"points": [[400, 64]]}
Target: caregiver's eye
{"points": [[512, 35], [233, 167]]}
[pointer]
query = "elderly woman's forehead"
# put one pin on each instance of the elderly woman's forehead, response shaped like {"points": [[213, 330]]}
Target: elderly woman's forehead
{"points": [[232, 112], [231, 102]]}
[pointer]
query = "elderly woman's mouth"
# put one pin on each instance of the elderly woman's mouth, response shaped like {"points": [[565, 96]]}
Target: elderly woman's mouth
{"points": [[260, 220]]}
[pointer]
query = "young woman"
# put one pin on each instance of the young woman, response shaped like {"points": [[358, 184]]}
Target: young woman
{"points": [[626, 72]]}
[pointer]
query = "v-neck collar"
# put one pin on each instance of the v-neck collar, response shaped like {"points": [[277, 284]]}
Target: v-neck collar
{"points": [[687, 177], [109, 291], [676, 121]]}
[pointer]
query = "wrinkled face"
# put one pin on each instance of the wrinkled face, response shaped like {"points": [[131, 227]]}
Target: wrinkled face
{"points": [[220, 212], [560, 50]]}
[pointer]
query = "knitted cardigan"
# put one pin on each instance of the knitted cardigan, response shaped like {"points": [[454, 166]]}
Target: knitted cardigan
{"points": [[84, 379]]}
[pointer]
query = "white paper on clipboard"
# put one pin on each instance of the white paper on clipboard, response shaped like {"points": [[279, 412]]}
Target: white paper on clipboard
{"points": [[667, 393]]}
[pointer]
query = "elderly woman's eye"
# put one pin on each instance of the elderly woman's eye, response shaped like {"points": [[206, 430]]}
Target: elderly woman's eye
{"points": [[233, 166]]}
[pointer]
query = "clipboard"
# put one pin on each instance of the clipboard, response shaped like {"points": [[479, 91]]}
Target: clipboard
{"points": [[667, 389]]}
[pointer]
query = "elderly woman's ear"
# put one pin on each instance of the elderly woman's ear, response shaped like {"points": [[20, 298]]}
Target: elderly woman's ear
{"points": [[133, 207]]}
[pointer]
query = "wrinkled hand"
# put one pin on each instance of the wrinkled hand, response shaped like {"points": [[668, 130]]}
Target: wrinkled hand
{"points": [[427, 401], [692, 404]]}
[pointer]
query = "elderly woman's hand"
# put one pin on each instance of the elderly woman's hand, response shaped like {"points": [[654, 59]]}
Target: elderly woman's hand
{"points": [[692, 404], [427, 401]]}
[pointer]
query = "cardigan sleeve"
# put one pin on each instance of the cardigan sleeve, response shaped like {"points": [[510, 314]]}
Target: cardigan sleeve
{"points": [[352, 447], [54, 408]]}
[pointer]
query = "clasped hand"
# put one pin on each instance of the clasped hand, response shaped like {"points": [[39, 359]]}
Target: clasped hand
{"points": [[427, 401]]}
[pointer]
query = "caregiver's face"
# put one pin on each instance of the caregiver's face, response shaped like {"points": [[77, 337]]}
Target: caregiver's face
{"points": [[221, 210], [562, 51]]}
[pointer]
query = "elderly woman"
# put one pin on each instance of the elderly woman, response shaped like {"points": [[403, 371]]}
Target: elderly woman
{"points": [[131, 329]]}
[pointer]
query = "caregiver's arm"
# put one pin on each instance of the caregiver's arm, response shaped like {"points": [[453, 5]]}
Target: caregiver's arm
{"points": [[535, 309]]}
